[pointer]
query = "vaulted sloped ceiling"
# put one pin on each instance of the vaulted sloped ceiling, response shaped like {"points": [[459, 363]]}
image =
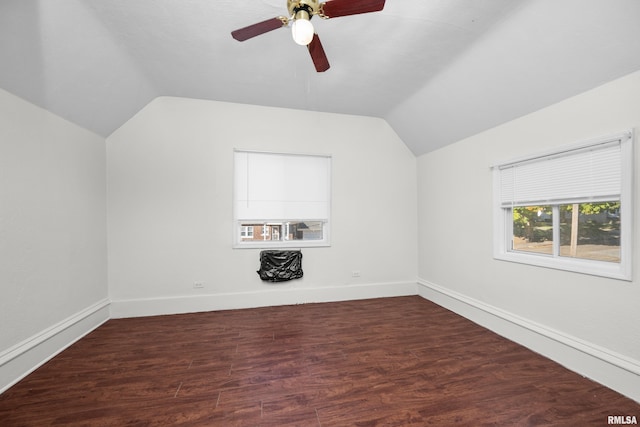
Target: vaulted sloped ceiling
{"points": [[436, 70]]}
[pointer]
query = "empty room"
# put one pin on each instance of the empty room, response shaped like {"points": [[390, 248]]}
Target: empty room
{"points": [[307, 213]]}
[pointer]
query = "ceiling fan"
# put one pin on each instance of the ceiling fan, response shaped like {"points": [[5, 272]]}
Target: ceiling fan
{"points": [[300, 14]]}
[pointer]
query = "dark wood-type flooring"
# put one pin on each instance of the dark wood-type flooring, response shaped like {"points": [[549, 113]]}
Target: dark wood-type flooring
{"points": [[380, 362]]}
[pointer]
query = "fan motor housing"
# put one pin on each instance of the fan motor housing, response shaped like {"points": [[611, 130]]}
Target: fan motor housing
{"points": [[311, 6]]}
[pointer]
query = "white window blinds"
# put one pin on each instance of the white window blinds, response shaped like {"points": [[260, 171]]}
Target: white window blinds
{"points": [[276, 186], [586, 173]]}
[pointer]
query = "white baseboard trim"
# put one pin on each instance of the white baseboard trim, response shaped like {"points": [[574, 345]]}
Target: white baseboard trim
{"points": [[616, 371], [271, 296], [23, 358]]}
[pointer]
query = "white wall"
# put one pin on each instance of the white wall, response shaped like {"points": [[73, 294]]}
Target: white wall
{"points": [[596, 315], [53, 275], [170, 208]]}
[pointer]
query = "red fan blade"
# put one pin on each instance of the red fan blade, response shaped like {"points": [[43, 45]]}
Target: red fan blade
{"points": [[335, 8], [246, 33], [317, 54]]}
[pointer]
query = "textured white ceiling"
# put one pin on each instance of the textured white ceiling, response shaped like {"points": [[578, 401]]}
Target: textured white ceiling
{"points": [[436, 70]]}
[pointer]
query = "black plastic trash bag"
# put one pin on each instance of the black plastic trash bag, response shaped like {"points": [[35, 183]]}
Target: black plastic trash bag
{"points": [[279, 266]]}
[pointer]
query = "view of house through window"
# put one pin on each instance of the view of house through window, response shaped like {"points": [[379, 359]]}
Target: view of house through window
{"points": [[584, 230], [281, 231]]}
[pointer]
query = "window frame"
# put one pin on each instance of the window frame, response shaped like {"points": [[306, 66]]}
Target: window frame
{"points": [[283, 222], [503, 218], [246, 231]]}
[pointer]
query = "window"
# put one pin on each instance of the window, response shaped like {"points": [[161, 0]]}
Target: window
{"points": [[569, 209], [281, 199], [246, 232]]}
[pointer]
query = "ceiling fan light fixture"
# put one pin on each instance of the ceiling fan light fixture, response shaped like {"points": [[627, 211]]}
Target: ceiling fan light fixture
{"points": [[302, 28], [300, 13]]}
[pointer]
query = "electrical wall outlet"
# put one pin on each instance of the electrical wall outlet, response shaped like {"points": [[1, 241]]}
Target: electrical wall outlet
{"points": [[198, 285]]}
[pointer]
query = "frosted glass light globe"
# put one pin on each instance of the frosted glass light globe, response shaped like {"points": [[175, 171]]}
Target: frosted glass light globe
{"points": [[302, 31]]}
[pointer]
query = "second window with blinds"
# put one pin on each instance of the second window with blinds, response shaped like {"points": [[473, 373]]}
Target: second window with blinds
{"points": [[281, 199], [569, 209]]}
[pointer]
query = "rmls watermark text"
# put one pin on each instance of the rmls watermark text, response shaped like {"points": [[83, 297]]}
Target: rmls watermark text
{"points": [[622, 419]]}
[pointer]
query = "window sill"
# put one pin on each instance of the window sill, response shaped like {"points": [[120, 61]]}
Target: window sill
{"points": [[590, 267], [281, 245]]}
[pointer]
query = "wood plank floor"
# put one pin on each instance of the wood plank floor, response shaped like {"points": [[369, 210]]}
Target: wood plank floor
{"points": [[381, 362]]}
